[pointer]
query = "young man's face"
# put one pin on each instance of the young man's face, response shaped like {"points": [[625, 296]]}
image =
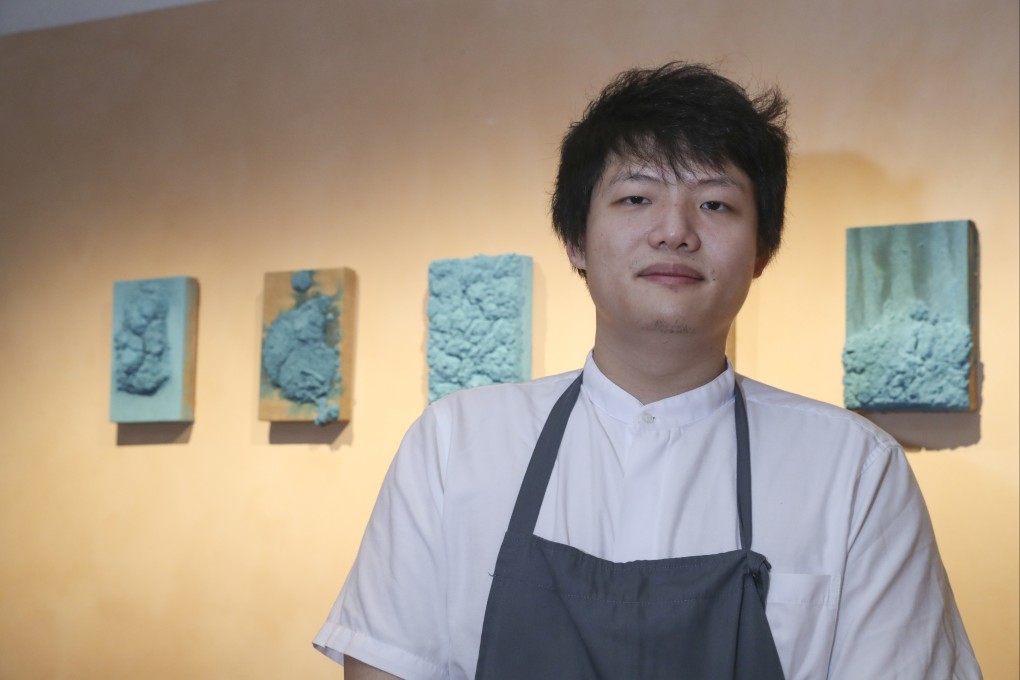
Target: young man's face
{"points": [[670, 254]]}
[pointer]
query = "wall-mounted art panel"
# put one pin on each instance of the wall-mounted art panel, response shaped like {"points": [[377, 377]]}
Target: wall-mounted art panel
{"points": [[307, 346], [479, 322], [155, 325], [911, 317]]}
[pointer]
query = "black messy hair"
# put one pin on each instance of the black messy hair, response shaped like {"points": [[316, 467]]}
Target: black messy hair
{"points": [[681, 117]]}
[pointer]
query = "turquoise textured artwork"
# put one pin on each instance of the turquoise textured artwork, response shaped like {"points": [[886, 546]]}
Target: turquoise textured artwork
{"points": [[911, 317], [479, 315], [307, 340], [153, 361]]}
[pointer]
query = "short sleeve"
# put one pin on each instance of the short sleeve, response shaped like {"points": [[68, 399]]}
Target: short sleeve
{"points": [[897, 616], [391, 612]]}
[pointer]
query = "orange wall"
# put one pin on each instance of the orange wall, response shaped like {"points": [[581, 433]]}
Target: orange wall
{"points": [[227, 139]]}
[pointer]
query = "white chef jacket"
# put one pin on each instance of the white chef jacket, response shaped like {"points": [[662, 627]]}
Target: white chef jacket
{"points": [[858, 591]]}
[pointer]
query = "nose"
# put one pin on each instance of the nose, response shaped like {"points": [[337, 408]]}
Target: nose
{"points": [[675, 228]]}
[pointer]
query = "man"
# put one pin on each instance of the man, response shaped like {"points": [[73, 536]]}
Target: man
{"points": [[654, 515]]}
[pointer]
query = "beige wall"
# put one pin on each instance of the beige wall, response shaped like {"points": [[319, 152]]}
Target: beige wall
{"points": [[227, 139]]}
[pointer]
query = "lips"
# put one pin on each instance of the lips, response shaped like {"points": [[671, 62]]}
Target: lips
{"points": [[671, 272]]}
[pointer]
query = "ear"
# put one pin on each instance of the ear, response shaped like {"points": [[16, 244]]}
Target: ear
{"points": [[759, 265], [576, 256]]}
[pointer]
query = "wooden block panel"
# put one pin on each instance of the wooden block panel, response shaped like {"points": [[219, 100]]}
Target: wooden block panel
{"points": [[911, 318], [155, 329], [307, 358]]}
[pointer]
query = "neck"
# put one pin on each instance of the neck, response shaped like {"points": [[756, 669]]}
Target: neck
{"points": [[655, 366]]}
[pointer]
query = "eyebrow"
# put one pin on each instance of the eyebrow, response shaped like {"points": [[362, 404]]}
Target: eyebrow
{"points": [[636, 175], [717, 180]]}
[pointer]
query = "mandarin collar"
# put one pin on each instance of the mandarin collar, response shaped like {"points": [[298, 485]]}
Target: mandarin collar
{"points": [[676, 411]]}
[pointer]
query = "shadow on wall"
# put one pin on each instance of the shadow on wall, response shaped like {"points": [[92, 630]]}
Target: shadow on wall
{"points": [[830, 192], [141, 434], [834, 191], [310, 433], [930, 431]]}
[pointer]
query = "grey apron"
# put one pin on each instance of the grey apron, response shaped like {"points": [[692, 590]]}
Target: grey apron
{"points": [[556, 613]]}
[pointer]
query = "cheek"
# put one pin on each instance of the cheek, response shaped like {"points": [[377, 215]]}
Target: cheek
{"points": [[740, 250]]}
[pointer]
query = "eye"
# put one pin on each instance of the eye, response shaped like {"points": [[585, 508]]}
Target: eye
{"points": [[713, 206], [634, 200]]}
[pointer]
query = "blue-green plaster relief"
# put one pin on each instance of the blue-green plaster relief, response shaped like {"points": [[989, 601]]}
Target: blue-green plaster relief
{"points": [[303, 280], [479, 315], [910, 303], [300, 350], [141, 347], [149, 336]]}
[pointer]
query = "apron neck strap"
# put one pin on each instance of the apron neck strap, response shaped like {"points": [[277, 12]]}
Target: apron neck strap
{"points": [[743, 466], [536, 479]]}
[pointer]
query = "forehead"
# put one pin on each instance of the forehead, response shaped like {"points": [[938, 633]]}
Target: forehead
{"points": [[621, 169]]}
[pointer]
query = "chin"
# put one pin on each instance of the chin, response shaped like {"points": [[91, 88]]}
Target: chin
{"points": [[673, 326]]}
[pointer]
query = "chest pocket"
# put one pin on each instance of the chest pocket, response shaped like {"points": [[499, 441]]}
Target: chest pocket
{"points": [[801, 610]]}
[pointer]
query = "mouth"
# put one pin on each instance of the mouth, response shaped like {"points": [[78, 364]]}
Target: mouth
{"points": [[673, 273]]}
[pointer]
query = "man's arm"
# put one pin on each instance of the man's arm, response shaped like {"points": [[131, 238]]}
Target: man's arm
{"points": [[897, 615], [355, 670], [392, 608]]}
